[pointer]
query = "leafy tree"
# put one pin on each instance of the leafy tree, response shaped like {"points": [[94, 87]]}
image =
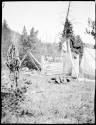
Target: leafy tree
{"points": [[92, 29], [92, 26]]}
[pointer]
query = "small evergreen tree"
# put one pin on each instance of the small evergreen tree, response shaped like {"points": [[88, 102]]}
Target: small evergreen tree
{"points": [[76, 43], [33, 39], [24, 44], [67, 33], [24, 35], [68, 29]]}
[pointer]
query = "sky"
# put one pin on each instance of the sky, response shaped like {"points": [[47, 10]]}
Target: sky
{"points": [[48, 17]]}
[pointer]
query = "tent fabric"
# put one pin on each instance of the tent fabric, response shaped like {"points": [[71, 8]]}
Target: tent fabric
{"points": [[30, 61], [68, 68], [67, 64], [70, 61], [75, 73], [87, 67], [64, 47]]}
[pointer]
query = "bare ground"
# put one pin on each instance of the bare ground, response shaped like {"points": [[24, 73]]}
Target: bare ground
{"points": [[42, 101]]}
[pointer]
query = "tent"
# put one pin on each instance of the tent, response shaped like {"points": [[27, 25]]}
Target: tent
{"points": [[71, 65], [87, 67], [67, 64], [70, 60], [30, 61]]}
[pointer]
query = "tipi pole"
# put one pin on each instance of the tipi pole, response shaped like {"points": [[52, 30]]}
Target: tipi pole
{"points": [[34, 61], [68, 11], [23, 58], [68, 43], [34, 58]]}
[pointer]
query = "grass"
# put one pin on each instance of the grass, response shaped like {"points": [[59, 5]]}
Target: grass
{"points": [[55, 103]]}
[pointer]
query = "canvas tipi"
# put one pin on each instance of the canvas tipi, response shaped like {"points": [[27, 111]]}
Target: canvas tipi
{"points": [[87, 67]]}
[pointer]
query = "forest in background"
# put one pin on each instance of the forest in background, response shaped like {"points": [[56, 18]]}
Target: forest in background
{"points": [[26, 42], [30, 41]]}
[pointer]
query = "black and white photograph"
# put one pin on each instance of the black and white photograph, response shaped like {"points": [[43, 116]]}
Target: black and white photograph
{"points": [[48, 62]]}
